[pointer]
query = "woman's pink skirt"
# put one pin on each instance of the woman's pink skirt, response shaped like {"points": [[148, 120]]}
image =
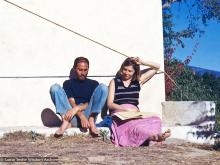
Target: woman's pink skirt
{"points": [[134, 132]]}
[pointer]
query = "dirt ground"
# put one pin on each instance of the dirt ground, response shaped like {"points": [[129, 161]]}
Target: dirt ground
{"points": [[82, 149]]}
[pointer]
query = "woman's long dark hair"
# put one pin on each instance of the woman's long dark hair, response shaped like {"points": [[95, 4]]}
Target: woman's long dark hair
{"points": [[130, 62]]}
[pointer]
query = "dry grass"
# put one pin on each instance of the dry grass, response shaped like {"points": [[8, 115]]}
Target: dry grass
{"points": [[81, 149]]}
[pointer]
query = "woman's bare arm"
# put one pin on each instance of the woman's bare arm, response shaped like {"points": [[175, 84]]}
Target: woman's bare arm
{"points": [[148, 74]]}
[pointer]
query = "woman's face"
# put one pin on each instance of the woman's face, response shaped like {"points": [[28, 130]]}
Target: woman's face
{"points": [[128, 72]]}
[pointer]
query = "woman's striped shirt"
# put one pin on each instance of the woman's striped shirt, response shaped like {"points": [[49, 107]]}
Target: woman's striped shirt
{"points": [[126, 95]]}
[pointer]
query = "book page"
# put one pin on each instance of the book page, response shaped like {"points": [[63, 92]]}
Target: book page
{"points": [[130, 115]]}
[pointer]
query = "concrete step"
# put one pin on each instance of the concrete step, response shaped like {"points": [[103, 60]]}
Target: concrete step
{"points": [[188, 133], [47, 131]]}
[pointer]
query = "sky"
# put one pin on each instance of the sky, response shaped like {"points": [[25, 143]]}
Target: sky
{"points": [[208, 51]]}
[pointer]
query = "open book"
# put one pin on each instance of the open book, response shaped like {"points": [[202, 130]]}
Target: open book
{"points": [[131, 115]]}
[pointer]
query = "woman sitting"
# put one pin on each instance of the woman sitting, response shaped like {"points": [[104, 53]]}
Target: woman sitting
{"points": [[124, 96]]}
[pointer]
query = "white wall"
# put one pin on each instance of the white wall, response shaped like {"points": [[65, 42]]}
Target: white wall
{"points": [[30, 46]]}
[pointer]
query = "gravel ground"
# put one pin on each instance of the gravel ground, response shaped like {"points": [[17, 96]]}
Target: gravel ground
{"points": [[81, 149]]}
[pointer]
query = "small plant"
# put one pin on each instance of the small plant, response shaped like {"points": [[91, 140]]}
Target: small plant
{"points": [[33, 136], [217, 141], [217, 145], [104, 134], [18, 135]]}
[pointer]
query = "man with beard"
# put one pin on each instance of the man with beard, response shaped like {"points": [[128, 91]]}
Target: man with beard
{"points": [[80, 100]]}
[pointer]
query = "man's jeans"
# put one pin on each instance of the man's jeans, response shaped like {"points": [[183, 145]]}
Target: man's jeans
{"points": [[62, 104]]}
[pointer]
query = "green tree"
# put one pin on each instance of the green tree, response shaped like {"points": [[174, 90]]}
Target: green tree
{"points": [[199, 13], [189, 86], [182, 83]]}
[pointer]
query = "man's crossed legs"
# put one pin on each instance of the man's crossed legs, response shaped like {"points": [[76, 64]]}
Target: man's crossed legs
{"points": [[94, 107]]}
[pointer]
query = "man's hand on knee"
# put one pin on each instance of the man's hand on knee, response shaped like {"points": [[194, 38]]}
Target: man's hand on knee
{"points": [[70, 113]]}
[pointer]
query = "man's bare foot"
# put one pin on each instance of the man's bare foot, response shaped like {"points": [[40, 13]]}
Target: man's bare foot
{"points": [[93, 130], [58, 133], [65, 125]]}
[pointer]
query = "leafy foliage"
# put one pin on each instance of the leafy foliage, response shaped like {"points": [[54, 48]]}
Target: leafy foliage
{"points": [[199, 10], [182, 83], [198, 13], [190, 86]]}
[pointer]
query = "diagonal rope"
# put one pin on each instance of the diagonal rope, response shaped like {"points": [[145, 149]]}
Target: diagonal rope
{"points": [[66, 28], [81, 35]]}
